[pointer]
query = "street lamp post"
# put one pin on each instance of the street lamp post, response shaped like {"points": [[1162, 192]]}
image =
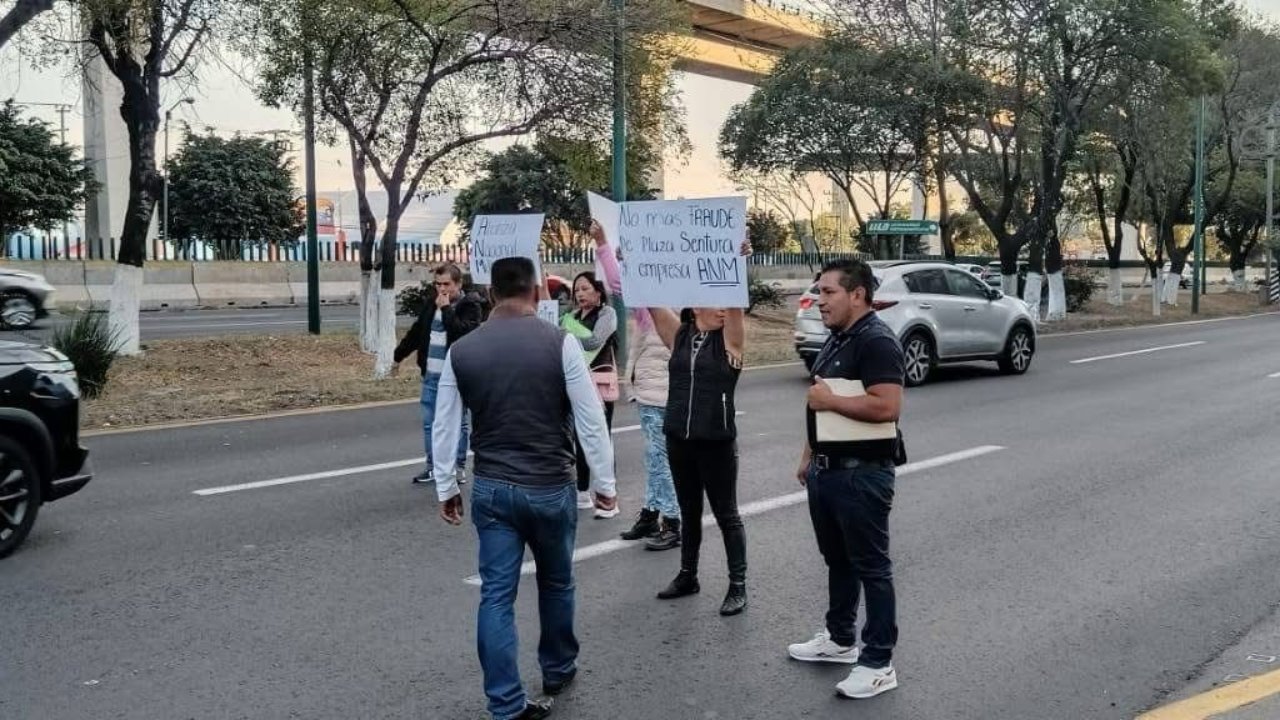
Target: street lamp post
{"points": [[1265, 148], [619, 141], [164, 200], [1197, 281], [309, 150]]}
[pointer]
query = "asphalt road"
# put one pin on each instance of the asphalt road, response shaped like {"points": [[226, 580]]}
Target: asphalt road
{"points": [[1093, 534], [172, 324]]}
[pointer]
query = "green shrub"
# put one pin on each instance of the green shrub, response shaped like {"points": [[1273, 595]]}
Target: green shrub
{"points": [[92, 346], [411, 300], [763, 294], [1080, 282]]}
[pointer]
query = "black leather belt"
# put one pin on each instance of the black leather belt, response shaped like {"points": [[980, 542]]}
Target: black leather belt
{"points": [[838, 462]]}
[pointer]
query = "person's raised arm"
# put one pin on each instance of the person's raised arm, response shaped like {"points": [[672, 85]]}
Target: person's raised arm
{"points": [[608, 261], [667, 323]]}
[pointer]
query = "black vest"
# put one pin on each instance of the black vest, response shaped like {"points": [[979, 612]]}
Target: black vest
{"points": [[510, 373], [700, 397]]}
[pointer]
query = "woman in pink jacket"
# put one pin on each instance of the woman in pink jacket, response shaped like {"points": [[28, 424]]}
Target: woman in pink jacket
{"points": [[647, 359]]}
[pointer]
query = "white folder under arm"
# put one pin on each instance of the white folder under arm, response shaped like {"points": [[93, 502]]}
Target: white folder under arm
{"points": [[832, 427]]}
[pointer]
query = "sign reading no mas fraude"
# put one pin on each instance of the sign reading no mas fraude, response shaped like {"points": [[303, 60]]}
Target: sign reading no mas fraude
{"points": [[684, 253]]}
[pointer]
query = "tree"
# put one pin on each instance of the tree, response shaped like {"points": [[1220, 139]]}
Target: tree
{"points": [[18, 16], [42, 182], [553, 178], [766, 232], [840, 108], [417, 87], [142, 43], [229, 194], [1241, 222]]}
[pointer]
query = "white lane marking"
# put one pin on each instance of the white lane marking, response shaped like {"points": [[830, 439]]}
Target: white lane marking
{"points": [[1131, 353], [1273, 376], [1157, 326], [343, 472], [762, 506], [310, 476]]}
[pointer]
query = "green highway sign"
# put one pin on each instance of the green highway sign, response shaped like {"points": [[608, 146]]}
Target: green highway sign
{"points": [[902, 227]]}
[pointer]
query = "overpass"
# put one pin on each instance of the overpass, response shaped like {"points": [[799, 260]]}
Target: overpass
{"points": [[741, 40]]}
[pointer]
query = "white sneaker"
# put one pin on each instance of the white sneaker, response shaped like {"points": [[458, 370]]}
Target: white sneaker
{"points": [[460, 475], [822, 649], [602, 514], [864, 682], [584, 501]]}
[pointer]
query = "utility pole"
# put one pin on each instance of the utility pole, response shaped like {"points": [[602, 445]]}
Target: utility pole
{"points": [[1197, 282], [1265, 148], [309, 150], [620, 143], [164, 200]]}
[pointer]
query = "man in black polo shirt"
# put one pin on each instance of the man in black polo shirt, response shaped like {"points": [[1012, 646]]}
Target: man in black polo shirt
{"points": [[850, 483]]}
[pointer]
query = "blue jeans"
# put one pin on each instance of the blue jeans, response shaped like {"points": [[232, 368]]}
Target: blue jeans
{"points": [[431, 388], [507, 518], [659, 489]]}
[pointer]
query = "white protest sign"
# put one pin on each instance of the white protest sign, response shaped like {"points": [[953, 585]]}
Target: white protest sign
{"points": [[684, 253], [549, 311], [494, 237], [605, 212]]}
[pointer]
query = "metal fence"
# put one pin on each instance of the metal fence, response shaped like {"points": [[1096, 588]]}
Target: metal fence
{"points": [[29, 248]]}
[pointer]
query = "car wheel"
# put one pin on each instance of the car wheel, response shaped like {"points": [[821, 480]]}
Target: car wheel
{"points": [[1018, 351], [19, 494], [919, 358], [17, 311]]}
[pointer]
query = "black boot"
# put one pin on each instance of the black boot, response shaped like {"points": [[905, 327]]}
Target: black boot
{"points": [[686, 583], [667, 538], [646, 525], [735, 601]]}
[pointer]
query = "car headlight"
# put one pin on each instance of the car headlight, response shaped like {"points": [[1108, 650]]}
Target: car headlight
{"points": [[56, 386]]}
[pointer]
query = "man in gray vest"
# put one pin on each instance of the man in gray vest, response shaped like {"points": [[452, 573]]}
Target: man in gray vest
{"points": [[528, 390]]}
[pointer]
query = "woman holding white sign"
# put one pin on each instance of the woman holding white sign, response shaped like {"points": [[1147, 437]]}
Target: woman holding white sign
{"points": [[595, 324], [706, 358]]}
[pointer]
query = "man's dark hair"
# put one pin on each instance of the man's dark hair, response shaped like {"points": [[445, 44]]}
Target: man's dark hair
{"points": [[512, 277], [854, 274], [450, 269]]}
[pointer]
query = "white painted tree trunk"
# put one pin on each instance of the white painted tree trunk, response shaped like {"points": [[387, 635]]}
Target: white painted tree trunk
{"points": [[1171, 282], [1009, 284], [1115, 287], [126, 304], [1057, 298], [1031, 294], [368, 313], [1238, 283], [386, 340]]}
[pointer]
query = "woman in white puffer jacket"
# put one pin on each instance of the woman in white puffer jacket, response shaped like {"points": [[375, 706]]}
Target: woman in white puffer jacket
{"points": [[647, 359]]}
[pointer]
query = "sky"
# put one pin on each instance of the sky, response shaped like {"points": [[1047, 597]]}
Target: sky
{"points": [[224, 101]]}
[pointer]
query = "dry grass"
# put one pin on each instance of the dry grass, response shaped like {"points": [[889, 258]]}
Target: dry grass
{"points": [[1137, 311], [241, 375], [197, 379]]}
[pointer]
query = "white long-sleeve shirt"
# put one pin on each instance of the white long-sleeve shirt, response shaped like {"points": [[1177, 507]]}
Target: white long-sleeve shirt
{"points": [[588, 420]]}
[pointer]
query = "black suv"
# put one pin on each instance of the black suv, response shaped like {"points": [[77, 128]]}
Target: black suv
{"points": [[41, 459]]}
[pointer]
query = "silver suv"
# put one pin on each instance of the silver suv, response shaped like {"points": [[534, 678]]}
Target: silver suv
{"points": [[941, 314]]}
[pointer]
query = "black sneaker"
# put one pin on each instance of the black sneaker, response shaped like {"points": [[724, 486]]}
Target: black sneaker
{"points": [[735, 601], [423, 478], [667, 538], [556, 688], [646, 525], [686, 583]]}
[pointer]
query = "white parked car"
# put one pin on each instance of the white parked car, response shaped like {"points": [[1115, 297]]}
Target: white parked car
{"points": [[24, 298], [941, 313]]}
